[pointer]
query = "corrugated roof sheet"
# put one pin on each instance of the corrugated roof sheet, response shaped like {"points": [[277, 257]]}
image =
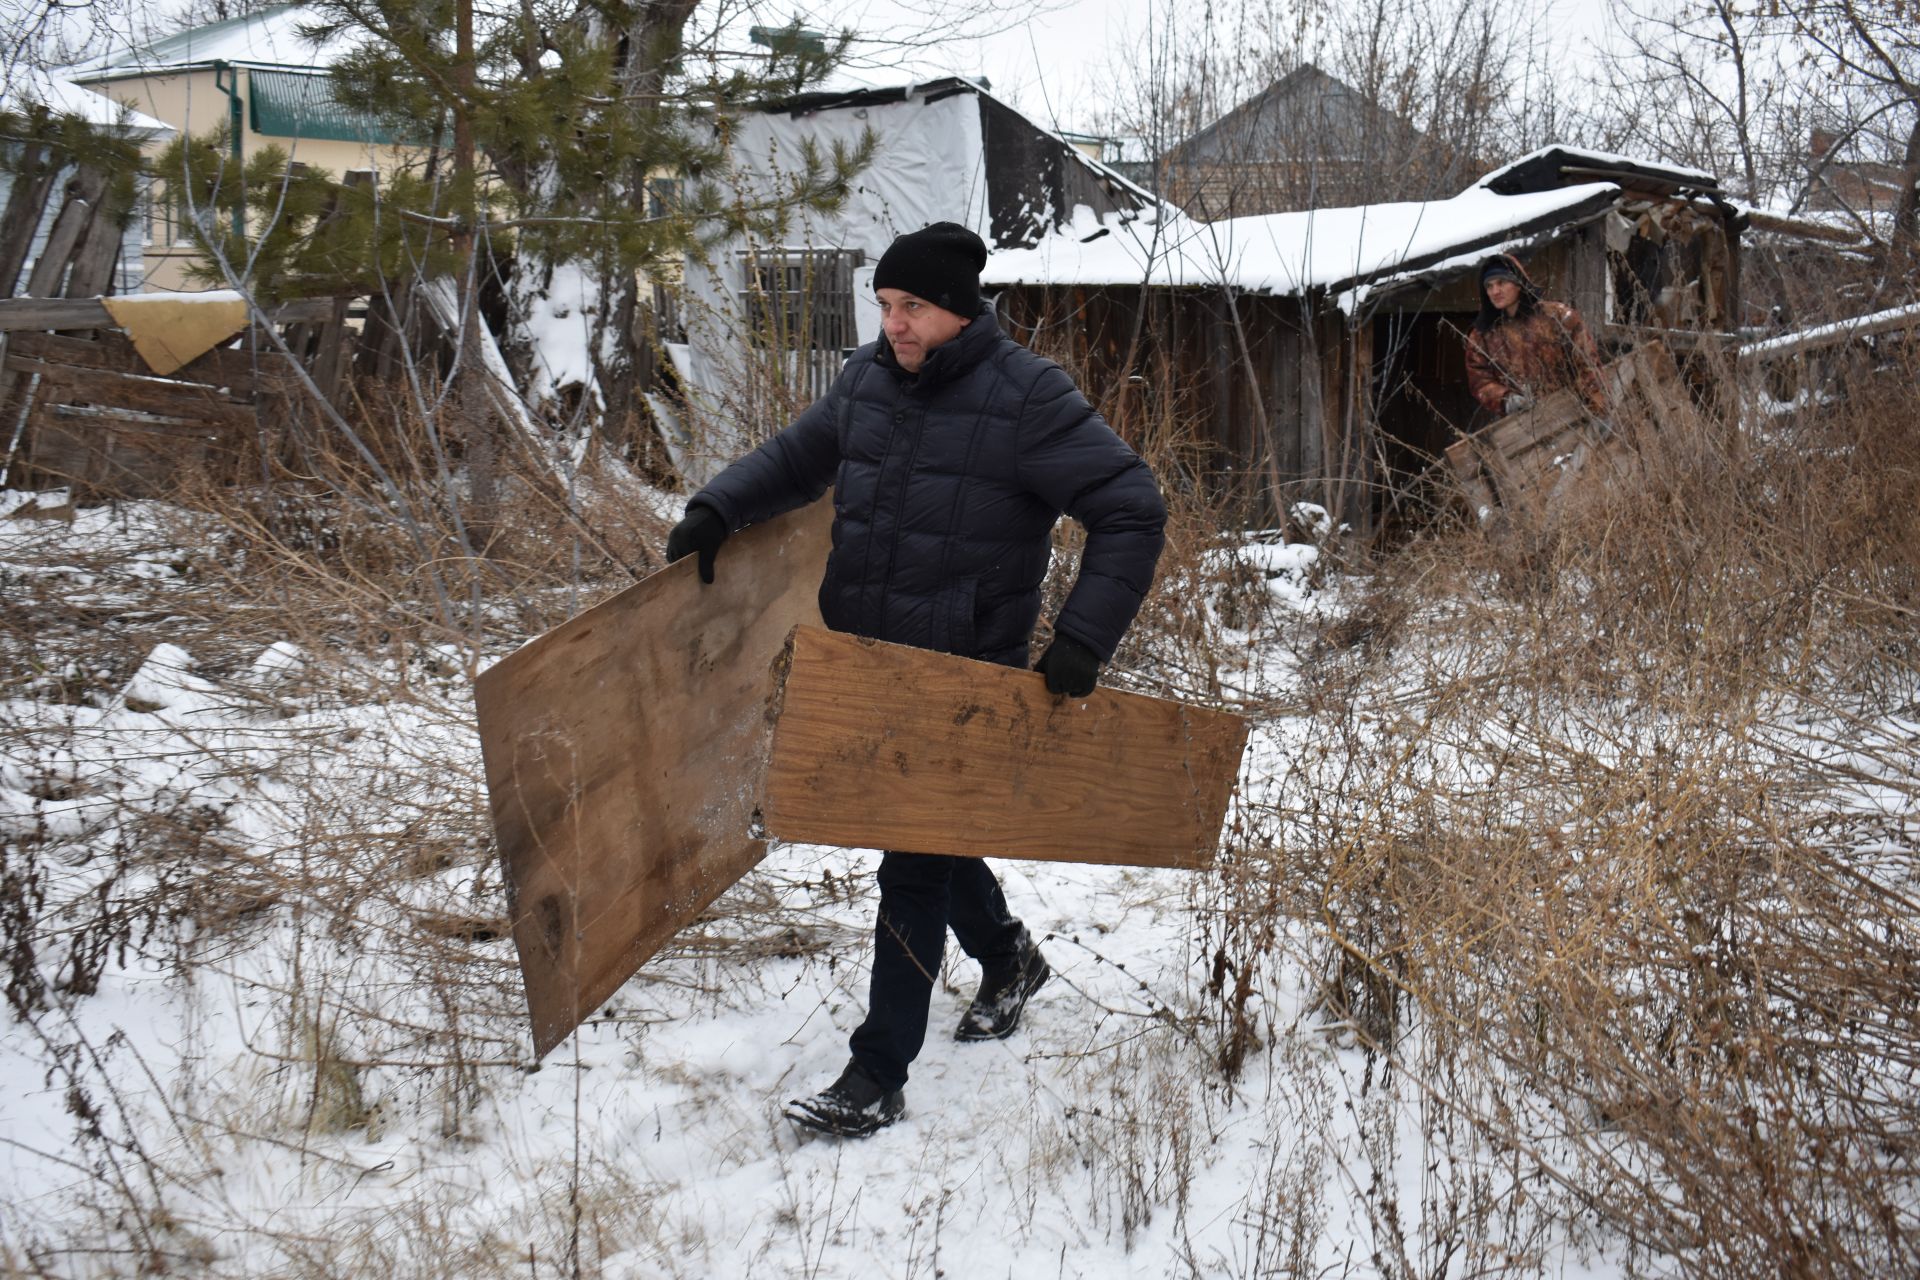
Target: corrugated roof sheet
{"points": [[300, 104]]}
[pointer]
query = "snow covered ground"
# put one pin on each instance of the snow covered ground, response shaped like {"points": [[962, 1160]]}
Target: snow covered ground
{"points": [[265, 1021]]}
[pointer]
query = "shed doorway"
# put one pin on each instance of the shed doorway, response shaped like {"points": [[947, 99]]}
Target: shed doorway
{"points": [[1421, 405]]}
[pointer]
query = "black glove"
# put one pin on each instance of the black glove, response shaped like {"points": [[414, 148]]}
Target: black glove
{"points": [[1070, 667], [702, 530]]}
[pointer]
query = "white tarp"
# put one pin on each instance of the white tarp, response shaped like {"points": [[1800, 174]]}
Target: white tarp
{"points": [[929, 166]]}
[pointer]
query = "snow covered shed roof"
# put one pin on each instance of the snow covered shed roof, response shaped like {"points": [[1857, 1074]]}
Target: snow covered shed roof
{"points": [[269, 37], [1558, 166], [1284, 254]]}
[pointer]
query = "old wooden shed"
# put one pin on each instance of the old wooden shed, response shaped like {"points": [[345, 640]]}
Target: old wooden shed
{"points": [[1319, 355]]}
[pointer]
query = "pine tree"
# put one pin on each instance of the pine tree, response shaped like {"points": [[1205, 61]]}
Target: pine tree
{"points": [[555, 116]]}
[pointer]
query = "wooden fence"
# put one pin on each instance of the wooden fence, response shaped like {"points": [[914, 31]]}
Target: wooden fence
{"points": [[80, 408], [82, 245]]}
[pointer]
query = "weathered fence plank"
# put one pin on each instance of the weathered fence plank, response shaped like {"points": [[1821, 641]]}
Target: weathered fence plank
{"points": [[89, 313], [111, 352], [33, 179], [97, 449], [84, 196]]}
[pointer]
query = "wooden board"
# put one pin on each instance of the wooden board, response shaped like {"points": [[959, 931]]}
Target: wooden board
{"points": [[229, 370], [70, 384], [101, 451], [881, 746], [89, 313], [621, 751], [1526, 463]]}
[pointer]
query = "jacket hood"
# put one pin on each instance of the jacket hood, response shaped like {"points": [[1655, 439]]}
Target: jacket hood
{"points": [[1491, 315]]}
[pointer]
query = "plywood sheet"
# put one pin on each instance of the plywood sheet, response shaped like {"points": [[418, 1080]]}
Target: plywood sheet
{"points": [[622, 752], [881, 746]]}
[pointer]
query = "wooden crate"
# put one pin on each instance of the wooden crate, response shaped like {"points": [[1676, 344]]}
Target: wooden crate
{"points": [[1527, 463], [882, 746]]}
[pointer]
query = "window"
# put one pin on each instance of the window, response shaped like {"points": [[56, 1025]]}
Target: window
{"points": [[170, 222], [663, 197], [801, 299]]}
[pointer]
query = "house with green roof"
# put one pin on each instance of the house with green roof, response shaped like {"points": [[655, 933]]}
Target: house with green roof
{"points": [[267, 82]]}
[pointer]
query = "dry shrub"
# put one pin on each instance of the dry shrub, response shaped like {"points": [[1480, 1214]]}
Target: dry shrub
{"points": [[1206, 604], [1613, 850], [343, 874]]}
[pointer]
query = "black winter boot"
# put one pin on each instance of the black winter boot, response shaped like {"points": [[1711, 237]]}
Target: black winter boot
{"points": [[996, 1008], [851, 1107]]}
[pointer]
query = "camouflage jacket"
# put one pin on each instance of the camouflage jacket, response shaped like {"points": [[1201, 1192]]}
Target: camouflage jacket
{"points": [[1537, 352]]}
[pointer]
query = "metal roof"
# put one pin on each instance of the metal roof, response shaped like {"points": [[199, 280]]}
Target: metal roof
{"points": [[268, 37], [301, 104]]}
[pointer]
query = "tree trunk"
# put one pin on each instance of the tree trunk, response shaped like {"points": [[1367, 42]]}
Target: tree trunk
{"points": [[585, 293], [1906, 211], [473, 417]]}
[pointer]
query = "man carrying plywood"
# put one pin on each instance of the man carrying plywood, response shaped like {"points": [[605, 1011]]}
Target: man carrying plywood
{"points": [[951, 450]]}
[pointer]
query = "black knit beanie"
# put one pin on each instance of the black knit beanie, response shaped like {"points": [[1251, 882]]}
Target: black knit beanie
{"points": [[940, 263]]}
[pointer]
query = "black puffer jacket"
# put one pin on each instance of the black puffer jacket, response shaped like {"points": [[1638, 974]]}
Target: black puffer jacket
{"points": [[946, 486]]}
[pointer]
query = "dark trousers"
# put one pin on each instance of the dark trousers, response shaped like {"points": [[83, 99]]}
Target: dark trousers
{"points": [[921, 896]]}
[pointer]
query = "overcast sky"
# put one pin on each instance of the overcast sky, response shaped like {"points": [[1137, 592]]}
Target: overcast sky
{"points": [[1056, 60]]}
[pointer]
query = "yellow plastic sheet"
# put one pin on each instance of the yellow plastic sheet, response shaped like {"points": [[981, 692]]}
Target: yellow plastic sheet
{"points": [[173, 329]]}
